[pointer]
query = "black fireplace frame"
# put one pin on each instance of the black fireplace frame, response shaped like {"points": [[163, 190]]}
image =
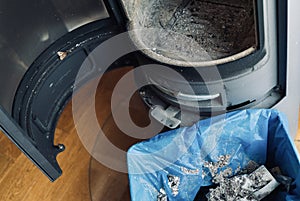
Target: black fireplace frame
{"points": [[235, 70]]}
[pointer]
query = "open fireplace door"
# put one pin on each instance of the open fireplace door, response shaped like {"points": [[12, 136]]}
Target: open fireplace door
{"points": [[50, 58]]}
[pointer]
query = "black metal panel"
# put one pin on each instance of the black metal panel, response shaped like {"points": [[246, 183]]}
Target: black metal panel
{"points": [[27, 28], [282, 44], [48, 83], [13, 131]]}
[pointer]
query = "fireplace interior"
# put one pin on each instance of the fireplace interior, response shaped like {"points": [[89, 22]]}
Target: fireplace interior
{"points": [[194, 32]]}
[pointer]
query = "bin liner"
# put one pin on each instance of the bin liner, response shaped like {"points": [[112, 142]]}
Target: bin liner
{"points": [[172, 163]]}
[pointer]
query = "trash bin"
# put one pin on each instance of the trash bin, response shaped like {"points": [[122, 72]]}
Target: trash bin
{"points": [[173, 165]]}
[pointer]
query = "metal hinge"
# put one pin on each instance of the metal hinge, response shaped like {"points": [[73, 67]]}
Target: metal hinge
{"points": [[166, 116]]}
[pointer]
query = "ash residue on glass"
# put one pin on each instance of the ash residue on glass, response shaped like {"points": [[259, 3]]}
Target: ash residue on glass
{"points": [[220, 28]]}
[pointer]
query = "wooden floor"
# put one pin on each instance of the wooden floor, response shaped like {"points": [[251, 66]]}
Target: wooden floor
{"points": [[20, 180]]}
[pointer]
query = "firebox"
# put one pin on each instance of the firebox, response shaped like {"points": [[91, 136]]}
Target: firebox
{"points": [[229, 55], [223, 49]]}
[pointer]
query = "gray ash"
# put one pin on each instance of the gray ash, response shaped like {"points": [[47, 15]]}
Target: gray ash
{"points": [[246, 187], [215, 167], [162, 196], [220, 27], [173, 183]]}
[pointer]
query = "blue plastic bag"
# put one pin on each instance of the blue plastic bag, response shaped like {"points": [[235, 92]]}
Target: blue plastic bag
{"points": [[248, 135]]}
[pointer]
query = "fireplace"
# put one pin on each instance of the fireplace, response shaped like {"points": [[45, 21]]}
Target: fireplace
{"points": [[230, 55], [223, 49]]}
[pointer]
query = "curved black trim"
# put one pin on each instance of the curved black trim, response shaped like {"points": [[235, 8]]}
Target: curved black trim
{"points": [[115, 9], [48, 84]]}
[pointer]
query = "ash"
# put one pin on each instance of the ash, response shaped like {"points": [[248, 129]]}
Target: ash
{"points": [[246, 187], [214, 167], [162, 196], [220, 27], [173, 183]]}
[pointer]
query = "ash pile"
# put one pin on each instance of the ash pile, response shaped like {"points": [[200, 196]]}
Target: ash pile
{"points": [[245, 187], [254, 183], [195, 30], [251, 184]]}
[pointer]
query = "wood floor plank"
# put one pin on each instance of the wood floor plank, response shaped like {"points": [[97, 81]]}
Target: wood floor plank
{"points": [[107, 184], [79, 190], [8, 155], [7, 148], [24, 182], [5, 162], [15, 185], [72, 162]]}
